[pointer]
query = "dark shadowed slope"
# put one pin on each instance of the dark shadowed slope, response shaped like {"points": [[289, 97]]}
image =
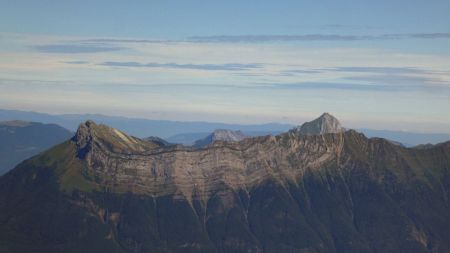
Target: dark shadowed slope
{"points": [[104, 191], [20, 140]]}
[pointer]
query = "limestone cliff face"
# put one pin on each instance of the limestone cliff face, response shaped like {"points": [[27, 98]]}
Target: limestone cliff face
{"points": [[142, 167], [331, 191]]}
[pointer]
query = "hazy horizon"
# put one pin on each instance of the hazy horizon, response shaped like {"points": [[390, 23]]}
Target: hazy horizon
{"points": [[291, 124]]}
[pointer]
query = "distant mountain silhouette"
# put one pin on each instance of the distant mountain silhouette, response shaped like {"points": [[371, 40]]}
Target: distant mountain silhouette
{"points": [[188, 132], [20, 140], [140, 127], [220, 135]]}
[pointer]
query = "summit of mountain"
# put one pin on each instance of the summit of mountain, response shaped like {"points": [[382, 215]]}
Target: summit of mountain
{"points": [[324, 124]]}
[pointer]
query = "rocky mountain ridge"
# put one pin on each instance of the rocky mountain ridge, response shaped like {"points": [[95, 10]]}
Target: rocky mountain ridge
{"points": [[178, 168], [327, 192]]}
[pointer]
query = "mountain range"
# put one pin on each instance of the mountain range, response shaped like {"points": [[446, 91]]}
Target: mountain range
{"points": [[140, 127], [189, 132], [315, 191]]}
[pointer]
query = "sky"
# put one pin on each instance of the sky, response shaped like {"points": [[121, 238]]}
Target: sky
{"points": [[373, 64]]}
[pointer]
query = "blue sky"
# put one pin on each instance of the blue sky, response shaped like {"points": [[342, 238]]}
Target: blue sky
{"points": [[375, 64]]}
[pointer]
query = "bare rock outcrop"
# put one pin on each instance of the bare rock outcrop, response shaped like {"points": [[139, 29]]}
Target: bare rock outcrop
{"points": [[325, 124]]}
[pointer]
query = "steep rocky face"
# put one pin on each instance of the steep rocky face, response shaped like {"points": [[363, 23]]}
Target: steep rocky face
{"points": [[104, 191], [220, 135], [325, 124], [20, 140]]}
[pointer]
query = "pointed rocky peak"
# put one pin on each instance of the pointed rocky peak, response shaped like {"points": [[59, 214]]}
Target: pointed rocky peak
{"points": [[109, 138], [84, 134], [220, 135], [325, 124]]}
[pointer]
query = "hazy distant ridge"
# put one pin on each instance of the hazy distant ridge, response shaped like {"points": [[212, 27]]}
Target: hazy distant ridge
{"points": [[189, 132]]}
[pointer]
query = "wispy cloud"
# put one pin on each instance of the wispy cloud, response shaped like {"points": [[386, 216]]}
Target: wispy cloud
{"points": [[397, 76], [331, 86], [112, 40], [258, 38], [76, 48], [431, 35], [375, 83], [401, 80], [349, 27], [272, 65], [381, 70], [76, 62], [227, 67], [271, 38], [314, 37]]}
